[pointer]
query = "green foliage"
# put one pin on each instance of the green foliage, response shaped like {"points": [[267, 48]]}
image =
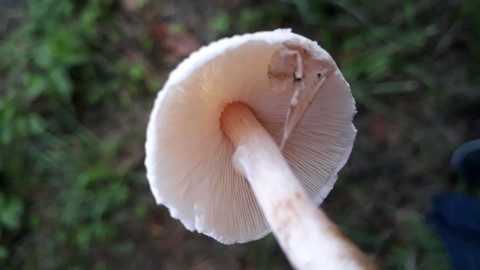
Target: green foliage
{"points": [[267, 254], [250, 19], [11, 210], [220, 23], [58, 179], [419, 246]]}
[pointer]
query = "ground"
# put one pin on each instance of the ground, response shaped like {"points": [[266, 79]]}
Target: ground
{"points": [[73, 180]]}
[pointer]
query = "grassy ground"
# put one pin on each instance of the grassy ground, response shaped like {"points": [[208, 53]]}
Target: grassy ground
{"points": [[77, 81]]}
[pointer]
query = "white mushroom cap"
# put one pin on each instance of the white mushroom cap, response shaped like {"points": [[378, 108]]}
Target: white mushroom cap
{"points": [[189, 158]]}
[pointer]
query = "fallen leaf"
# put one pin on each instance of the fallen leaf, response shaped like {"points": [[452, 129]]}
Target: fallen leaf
{"points": [[181, 44]]}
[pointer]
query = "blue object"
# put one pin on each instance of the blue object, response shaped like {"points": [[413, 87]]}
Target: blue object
{"points": [[457, 220], [466, 161], [457, 217]]}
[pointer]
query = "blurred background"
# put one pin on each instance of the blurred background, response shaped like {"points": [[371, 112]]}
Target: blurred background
{"points": [[78, 79]]}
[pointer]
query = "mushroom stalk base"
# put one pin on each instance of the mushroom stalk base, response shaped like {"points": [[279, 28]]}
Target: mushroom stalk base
{"points": [[305, 233]]}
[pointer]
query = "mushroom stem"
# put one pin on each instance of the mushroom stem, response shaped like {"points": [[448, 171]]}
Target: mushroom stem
{"points": [[305, 233]]}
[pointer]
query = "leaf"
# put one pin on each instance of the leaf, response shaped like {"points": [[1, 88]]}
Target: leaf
{"points": [[11, 210], [179, 43]]}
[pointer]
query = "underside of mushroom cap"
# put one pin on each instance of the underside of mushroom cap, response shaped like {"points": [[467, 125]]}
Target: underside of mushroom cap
{"points": [[189, 159]]}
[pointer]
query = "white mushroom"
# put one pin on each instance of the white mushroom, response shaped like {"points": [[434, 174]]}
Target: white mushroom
{"points": [[247, 137]]}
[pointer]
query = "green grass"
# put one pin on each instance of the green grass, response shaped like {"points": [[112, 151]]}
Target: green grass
{"points": [[62, 187], [73, 89]]}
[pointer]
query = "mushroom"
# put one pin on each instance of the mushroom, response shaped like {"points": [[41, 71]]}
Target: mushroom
{"points": [[247, 137]]}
